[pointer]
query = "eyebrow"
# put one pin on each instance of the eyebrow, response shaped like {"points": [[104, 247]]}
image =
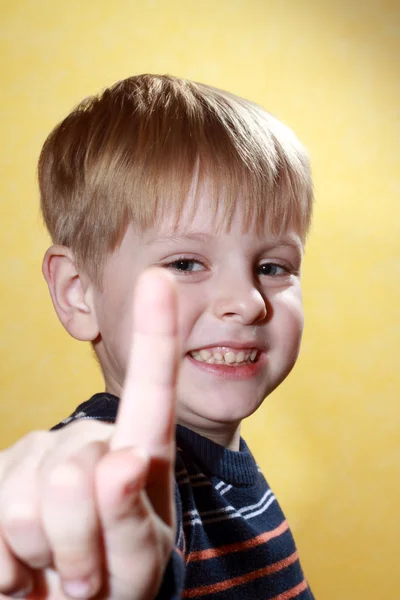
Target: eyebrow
{"points": [[178, 238], [196, 236]]}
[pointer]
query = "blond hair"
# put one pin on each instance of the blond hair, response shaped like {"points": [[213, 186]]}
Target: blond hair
{"points": [[131, 155]]}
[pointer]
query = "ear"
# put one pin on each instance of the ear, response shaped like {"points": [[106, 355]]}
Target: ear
{"points": [[72, 294]]}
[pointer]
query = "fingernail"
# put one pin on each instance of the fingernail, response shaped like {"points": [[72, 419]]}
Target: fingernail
{"points": [[79, 588]]}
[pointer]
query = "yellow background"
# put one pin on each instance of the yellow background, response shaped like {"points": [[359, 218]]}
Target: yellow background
{"points": [[328, 439]]}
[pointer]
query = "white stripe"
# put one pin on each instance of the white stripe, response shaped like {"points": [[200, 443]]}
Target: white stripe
{"points": [[193, 522], [228, 487], [246, 508], [195, 513], [236, 515], [190, 513], [263, 509]]}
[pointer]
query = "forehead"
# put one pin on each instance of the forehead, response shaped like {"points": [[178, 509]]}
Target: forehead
{"points": [[202, 219], [213, 193]]}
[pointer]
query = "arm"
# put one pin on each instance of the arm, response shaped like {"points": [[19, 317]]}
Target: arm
{"points": [[90, 509]]}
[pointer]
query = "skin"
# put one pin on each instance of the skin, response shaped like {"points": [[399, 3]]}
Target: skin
{"points": [[89, 510], [80, 510], [233, 288]]}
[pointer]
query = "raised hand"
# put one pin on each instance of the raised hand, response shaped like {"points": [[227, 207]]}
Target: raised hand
{"points": [[89, 509]]}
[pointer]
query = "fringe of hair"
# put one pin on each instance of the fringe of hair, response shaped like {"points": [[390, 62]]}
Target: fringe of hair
{"points": [[133, 154]]}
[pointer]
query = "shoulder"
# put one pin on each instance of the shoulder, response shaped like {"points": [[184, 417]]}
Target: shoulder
{"points": [[102, 407]]}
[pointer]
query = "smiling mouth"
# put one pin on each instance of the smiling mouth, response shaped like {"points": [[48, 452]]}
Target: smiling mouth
{"points": [[226, 356]]}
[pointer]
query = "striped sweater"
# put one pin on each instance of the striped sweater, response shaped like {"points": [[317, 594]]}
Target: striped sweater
{"points": [[233, 541]]}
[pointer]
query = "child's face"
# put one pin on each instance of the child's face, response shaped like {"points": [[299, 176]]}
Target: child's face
{"points": [[239, 300]]}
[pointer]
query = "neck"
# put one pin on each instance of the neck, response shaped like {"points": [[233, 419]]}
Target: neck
{"points": [[229, 438], [224, 435]]}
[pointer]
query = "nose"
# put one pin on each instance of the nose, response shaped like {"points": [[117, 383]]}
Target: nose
{"points": [[239, 300]]}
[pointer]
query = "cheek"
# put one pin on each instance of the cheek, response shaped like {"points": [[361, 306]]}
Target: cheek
{"points": [[191, 307], [115, 314], [288, 318]]}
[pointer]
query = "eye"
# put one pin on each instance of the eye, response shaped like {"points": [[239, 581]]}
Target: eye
{"points": [[272, 270], [185, 265]]}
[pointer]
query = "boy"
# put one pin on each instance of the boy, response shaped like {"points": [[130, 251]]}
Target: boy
{"points": [[200, 202]]}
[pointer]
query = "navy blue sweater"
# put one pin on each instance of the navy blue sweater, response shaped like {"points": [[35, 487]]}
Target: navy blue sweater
{"points": [[233, 541]]}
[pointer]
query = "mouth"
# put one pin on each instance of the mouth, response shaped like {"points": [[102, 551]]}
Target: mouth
{"points": [[223, 355]]}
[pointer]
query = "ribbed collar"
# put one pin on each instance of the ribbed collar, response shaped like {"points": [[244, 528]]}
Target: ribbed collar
{"points": [[233, 467]]}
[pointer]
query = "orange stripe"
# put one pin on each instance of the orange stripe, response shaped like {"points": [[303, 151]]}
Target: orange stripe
{"points": [[238, 546], [222, 586], [293, 592]]}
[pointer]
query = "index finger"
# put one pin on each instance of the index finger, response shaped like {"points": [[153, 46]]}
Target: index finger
{"points": [[146, 415]]}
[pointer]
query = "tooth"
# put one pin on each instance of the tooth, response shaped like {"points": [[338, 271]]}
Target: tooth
{"points": [[240, 357], [230, 358]]}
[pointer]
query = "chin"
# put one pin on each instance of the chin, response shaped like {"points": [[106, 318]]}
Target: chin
{"points": [[228, 409]]}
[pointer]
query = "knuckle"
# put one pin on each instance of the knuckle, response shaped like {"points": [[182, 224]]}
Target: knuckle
{"points": [[20, 523], [32, 445], [66, 496], [17, 492], [87, 430], [27, 451], [23, 534], [17, 503], [89, 456], [36, 439], [84, 440], [66, 474], [18, 517]]}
